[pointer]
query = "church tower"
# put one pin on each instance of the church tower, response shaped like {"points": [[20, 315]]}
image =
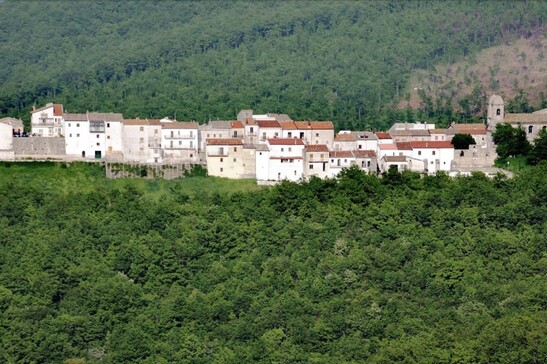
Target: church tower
{"points": [[495, 112]]}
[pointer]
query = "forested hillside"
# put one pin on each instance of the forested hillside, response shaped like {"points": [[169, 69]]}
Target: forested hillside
{"points": [[346, 61], [353, 270]]}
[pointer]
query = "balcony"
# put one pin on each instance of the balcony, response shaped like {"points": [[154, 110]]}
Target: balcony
{"points": [[179, 136]]}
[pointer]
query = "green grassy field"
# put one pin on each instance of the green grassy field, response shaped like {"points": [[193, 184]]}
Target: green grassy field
{"points": [[86, 177]]}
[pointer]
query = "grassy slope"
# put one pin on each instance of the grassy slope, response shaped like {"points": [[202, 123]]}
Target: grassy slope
{"points": [[86, 177]]}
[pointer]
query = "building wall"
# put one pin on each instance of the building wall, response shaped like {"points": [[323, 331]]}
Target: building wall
{"points": [[6, 137], [39, 146], [52, 127], [234, 161]]}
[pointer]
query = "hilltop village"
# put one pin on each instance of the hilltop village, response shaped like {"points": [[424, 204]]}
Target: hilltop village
{"points": [[267, 147]]}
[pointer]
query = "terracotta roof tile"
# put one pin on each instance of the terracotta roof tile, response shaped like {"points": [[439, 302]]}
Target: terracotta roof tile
{"points": [[225, 141], [285, 141], [383, 135], [135, 122], [75, 117], [341, 154], [432, 145], [404, 146], [268, 124], [316, 148], [364, 153], [180, 125], [236, 125], [314, 125], [345, 137], [288, 125]]}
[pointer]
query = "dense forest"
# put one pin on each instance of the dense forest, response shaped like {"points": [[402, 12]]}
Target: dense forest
{"points": [[357, 269], [345, 61]]}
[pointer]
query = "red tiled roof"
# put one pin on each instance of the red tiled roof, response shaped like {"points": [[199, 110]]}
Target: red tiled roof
{"points": [[288, 125], [180, 125], [226, 141], [403, 146], [364, 153], [383, 135], [250, 121], [387, 146], [341, 154], [135, 122], [316, 148], [75, 117], [57, 109], [314, 125], [437, 131], [345, 137], [525, 118], [268, 123], [285, 141], [236, 125], [432, 145]]}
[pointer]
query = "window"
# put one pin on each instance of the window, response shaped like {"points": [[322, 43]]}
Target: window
{"points": [[360, 146], [108, 125], [321, 155], [222, 159], [263, 135], [208, 135], [141, 149], [180, 142], [141, 140], [108, 137], [77, 135], [289, 134], [498, 112], [70, 135], [282, 149], [260, 153], [235, 149], [222, 169], [234, 159], [295, 173], [191, 143], [530, 129], [311, 155], [77, 125], [276, 134], [98, 144], [191, 133], [311, 166], [436, 137], [317, 134], [419, 152], [69, 125], [433, 152], [191, 155], [251, 129], [142, 129], [97, 136], [290, 149]]}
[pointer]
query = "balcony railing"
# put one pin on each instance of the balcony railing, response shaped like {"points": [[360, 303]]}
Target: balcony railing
{"points": [[179, 137]]}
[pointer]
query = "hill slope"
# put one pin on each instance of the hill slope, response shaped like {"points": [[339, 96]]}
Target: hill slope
{"points": [[345, 61]]}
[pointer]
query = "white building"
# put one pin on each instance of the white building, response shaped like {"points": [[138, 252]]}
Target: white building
{"points": [[316, 160], [436, 156], [179, 141], [316, 132], [94, 135], [285, 159], [47, 121], [6, 141], [142, 140], [230, 158]]}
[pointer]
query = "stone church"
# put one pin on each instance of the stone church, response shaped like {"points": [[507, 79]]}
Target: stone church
{"points": [[532, 123]]}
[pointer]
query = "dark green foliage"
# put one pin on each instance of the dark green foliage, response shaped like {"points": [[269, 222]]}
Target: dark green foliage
{"points": [[462, 141], [510, 141], [347, 61], [538, 151], [356, 269]]}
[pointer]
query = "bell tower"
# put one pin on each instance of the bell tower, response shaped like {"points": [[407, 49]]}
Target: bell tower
{"points": [[495, 112]]}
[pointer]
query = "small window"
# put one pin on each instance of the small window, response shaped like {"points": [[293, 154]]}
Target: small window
{"points": [[498, 112], [141, 140], [282, 149], [311, 156], [222, 169], [222, 159], [234, 159], [208, 135], [317, 134], [235, 149], [108, 137], [108, 125], [97, 136], [321, 155], [252, 129], [141, 128], [260, 153], [77, 125], [70, 135], [419, 152], [69, 125], [98, 144], [290, 149], [191, 155], [289, 134], [77, 135], [530, 129], [311, 166], [433, 152], [180, 142]]}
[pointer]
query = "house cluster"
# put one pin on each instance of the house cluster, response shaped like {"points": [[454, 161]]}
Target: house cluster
{"points": [[268, 147]]}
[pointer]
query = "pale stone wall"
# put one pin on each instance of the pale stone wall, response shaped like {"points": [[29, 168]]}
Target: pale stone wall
{"points": [[42, 146]]}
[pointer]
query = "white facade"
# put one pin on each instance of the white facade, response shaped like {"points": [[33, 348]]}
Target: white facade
{"points": [[48, 121], [142, 141], [316, 161], [179, 141], [436, 156], [230, 158], [286, 159]]}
